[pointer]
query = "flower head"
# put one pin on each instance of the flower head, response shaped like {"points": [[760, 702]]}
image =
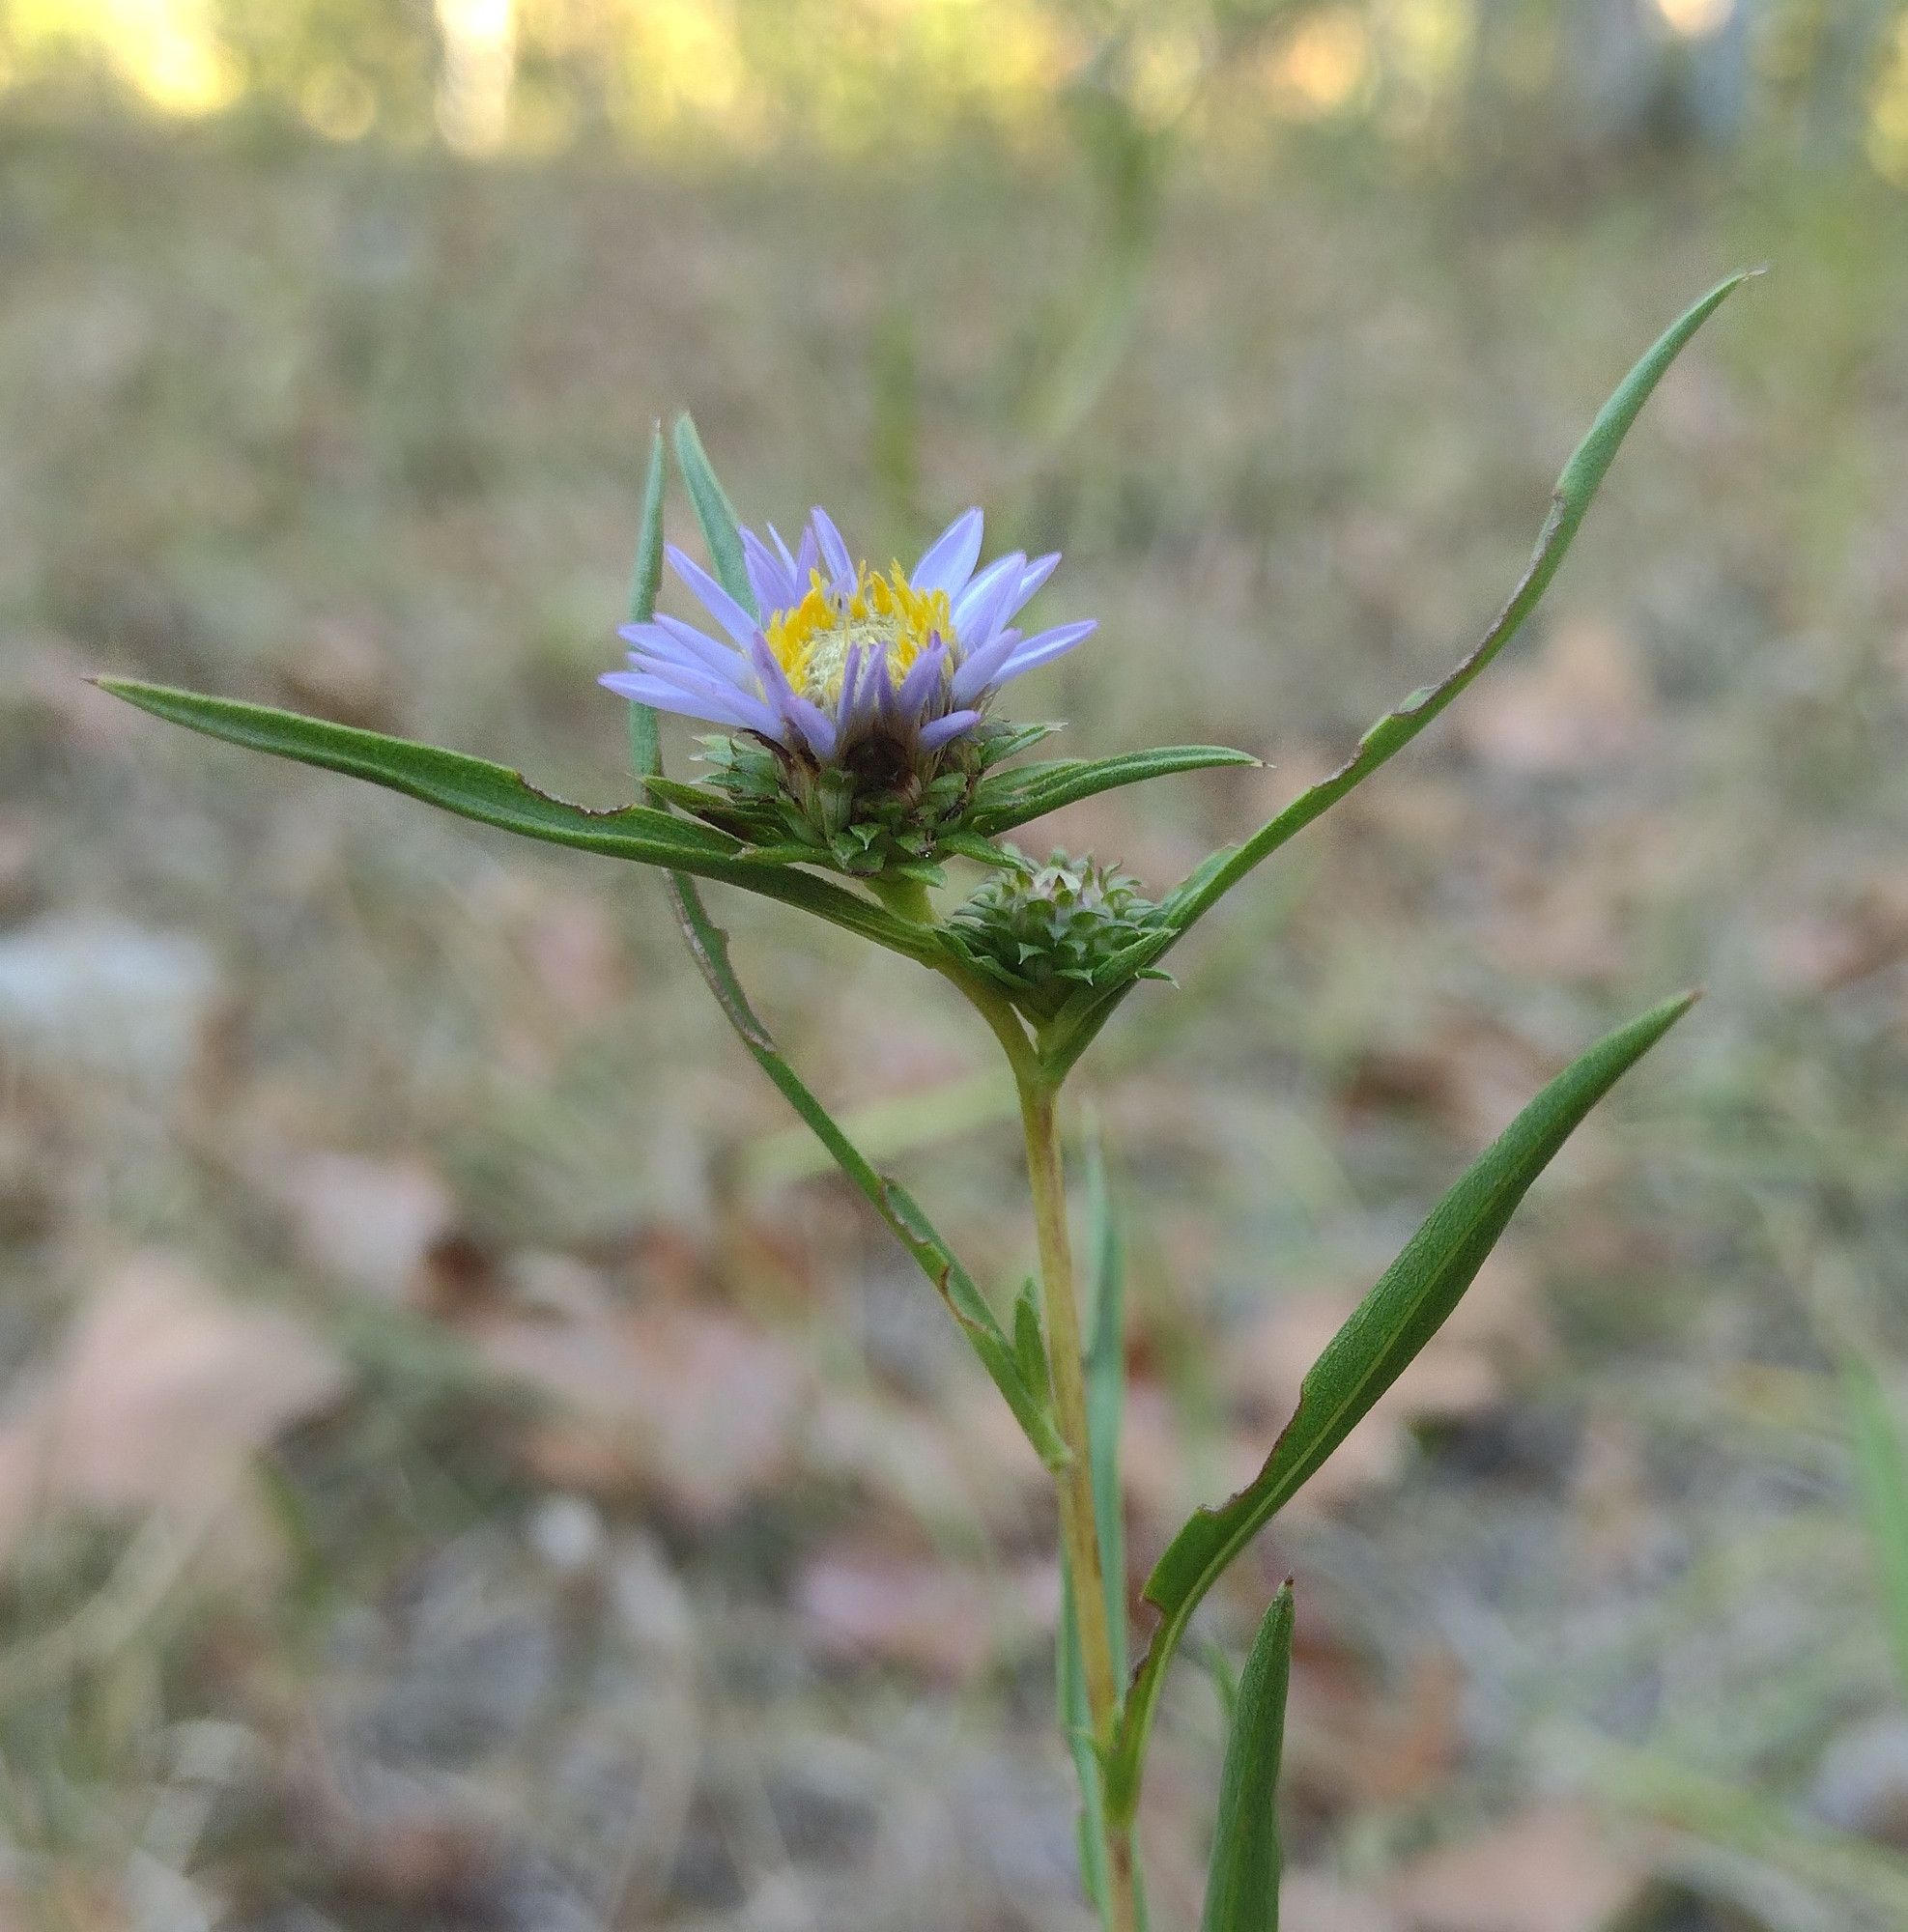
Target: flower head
{"points": [[1041, 931], [840, 666]]}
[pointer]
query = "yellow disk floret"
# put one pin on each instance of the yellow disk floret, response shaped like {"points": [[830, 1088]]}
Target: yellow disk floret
{"points": [[813, 640]]}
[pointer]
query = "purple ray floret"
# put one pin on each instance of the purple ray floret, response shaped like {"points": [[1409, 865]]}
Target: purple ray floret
{"points": [[835, 658]]}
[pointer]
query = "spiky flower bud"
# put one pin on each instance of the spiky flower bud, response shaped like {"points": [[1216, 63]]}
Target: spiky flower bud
{"points": [[1041, 931]]}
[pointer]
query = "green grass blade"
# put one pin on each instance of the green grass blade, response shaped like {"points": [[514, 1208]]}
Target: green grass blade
{"points": [[1030, 1351], [716, 514], [1106, 1392], [1242, 1879], [1407, 1307], [1881, 1473], [1575, 487], [646, 580], [494, 795], [1077, 1724], [1014, 797]]}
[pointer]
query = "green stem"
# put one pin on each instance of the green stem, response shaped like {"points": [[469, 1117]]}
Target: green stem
{"points": [[906, 899], [1079, 1523], [1074, 1484]]}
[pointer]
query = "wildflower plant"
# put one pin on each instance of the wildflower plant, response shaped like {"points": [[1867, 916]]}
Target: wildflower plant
{"points": [[857, 750]]}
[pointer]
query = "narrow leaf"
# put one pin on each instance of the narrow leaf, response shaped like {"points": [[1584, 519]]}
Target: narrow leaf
{"points": [[470, 787], [1380, 1339], [1014, 797], [494, 795], [1105, 1372], [1029, 1351], [1106, 1392], [1010, 741], [1077, 1724], [708, 944], [964, 844], [1242, 1879], [716, 514], [1575, 486], [1880, 1471], [646, 580]]}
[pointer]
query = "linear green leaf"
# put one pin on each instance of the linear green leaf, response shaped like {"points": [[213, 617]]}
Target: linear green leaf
{"points": [[708, 946], [1106, 1382], [1575, 487], [1029, 1343], [1106, 1391], [470, 787], [721, 530], [1400, 1313], [1013, 798], [1242, 1878], [1077, 1724], [494, 795], [646, 580], [1881, 1471], [890, 1200]]}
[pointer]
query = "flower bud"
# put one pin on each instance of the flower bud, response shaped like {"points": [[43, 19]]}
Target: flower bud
{"points": [[1041, 931]]}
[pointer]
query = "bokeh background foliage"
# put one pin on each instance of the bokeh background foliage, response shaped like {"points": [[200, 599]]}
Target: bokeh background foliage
{"points": [[464, 1464], [870, 77]]}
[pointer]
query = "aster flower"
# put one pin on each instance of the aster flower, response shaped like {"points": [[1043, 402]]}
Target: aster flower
{"points": [[839, 666]]}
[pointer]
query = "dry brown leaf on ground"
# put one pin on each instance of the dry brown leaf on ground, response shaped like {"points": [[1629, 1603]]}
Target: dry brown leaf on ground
{"points": [[1840, 935], [953, 1461], [567, 944], [1581, 705], [342, 670], [694, 1406], [367, 1223], [163, 1391], [1618, 1527], [1464, 1069], [1549, 1869], [1355, 1742], [1575, 922], [864, 1603]]}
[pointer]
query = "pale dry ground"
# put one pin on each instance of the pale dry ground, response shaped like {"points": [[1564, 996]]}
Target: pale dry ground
{"points": [[553, 1515]]}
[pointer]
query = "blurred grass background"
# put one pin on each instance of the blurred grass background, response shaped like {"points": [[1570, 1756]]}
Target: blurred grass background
{"points": [[463, 1465]]}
